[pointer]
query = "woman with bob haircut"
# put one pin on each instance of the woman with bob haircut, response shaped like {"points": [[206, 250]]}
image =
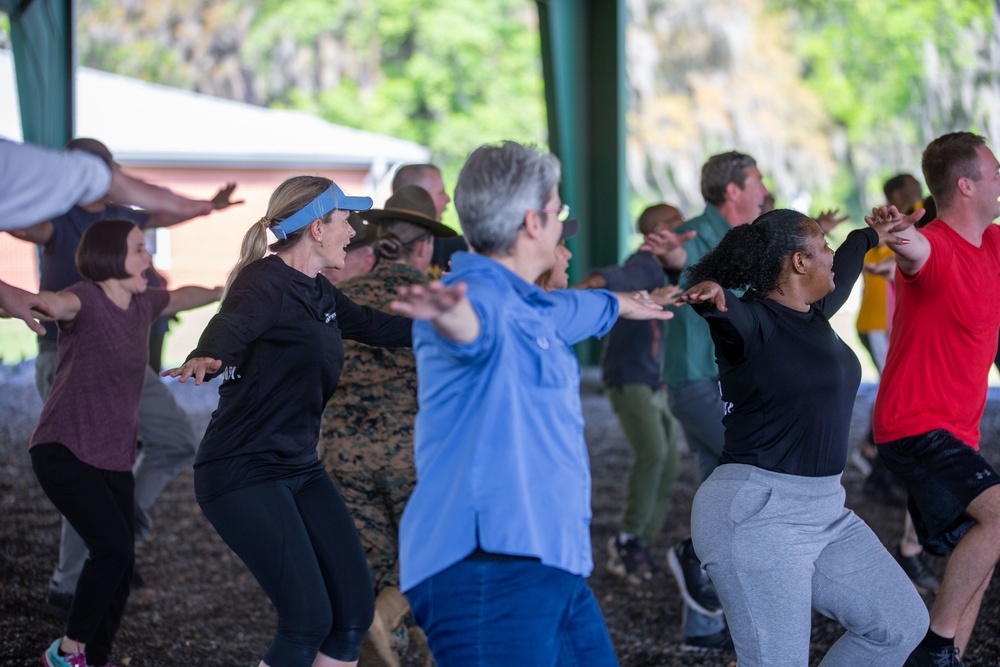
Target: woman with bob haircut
{"points": [[278, 341], [84, 446], [495, 541], [769, 524]]}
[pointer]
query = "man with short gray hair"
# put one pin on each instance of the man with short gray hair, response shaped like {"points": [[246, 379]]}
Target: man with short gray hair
{"points": [[734, 193]]}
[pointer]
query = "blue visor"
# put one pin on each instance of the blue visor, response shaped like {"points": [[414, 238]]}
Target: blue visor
{"points": [[332, 199]]}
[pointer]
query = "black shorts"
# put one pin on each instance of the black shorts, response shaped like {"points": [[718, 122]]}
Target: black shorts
{"points": [[942, 475]]}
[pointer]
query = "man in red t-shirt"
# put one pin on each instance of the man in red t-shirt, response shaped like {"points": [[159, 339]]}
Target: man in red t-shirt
{"points": [[933, 390]]}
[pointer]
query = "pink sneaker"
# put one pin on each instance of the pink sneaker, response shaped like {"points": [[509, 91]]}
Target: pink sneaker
{"points": [[51, 657]]}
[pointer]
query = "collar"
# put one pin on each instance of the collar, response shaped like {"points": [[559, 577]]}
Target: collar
{"points": [[466, 263]]}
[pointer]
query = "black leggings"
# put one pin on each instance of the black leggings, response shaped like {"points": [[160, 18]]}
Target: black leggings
{"points": [[100, 505], [299, 541]]}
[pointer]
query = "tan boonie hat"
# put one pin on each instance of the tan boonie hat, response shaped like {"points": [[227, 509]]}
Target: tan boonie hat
{"points": [[413, 204]]}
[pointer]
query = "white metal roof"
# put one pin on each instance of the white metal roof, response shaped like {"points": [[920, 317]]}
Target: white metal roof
{"points": [[152, 125]]}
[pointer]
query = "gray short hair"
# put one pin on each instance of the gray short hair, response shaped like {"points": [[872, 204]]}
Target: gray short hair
{"points": [[497, 186], [720, 171]]}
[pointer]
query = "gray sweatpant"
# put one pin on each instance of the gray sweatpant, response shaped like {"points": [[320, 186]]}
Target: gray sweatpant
{"points": [[169, 444], [778, 546]]}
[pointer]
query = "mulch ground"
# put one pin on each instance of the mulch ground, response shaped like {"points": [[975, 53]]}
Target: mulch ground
{"points": [[200, 606]]}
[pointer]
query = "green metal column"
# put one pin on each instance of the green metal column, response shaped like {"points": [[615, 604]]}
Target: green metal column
{"points": [[583, 62], [43, 41]]}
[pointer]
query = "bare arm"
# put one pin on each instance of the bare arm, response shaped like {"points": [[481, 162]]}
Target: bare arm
{"points": [[40, 233], [445, 307], [25, 306], [186, 298], [638, 306], [593, 281], [131, 191], [911, 247], [221, 200]]}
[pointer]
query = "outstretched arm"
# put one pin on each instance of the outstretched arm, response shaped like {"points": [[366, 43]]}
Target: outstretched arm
{"points": [[446, 307], [639, 306], [735, 326], [186, 298], [668, 248], [221, 200], [25, 306], [40, 233], [197, 368], [127, 190]]}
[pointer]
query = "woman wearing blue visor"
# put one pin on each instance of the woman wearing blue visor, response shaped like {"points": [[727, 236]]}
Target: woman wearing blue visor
{"points": [[278, 342]]}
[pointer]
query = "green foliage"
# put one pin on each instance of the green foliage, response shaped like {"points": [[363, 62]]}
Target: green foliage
{"points": [[867, 59], [17, 342], [882, 70], [444, 75]]}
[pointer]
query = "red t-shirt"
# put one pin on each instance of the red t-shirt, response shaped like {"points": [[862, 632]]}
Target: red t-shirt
{"points": [[943, 340]]}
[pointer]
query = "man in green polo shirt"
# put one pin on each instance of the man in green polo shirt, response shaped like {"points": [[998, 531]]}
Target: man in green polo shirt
{"points": [[734, 192]]}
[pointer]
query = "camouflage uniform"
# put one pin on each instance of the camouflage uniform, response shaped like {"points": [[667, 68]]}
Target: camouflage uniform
{"points": [[366, 437]]}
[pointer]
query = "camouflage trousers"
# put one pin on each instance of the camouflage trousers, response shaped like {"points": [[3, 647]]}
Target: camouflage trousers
{"points": [[376, 499]]}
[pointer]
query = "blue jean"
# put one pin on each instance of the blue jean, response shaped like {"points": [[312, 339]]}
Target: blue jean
{"points": [[479, 613]]}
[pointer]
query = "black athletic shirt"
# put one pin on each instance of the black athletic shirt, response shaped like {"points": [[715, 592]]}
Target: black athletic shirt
{"points": [[279, 335], [788, 380]]}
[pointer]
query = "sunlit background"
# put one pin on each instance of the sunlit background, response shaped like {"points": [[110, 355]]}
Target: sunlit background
{"points": [[832, 98]]}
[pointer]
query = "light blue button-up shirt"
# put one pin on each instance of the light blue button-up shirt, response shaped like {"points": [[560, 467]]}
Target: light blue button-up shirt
{"points": [[500, 455]]}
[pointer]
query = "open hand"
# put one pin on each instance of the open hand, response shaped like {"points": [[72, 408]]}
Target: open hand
{"points": [[887, 221], [638, 306], [222, 199], [16, 302], [665, 241], [197, 368], [828, 219], [705, 292], [429, 302], [666, 295]]}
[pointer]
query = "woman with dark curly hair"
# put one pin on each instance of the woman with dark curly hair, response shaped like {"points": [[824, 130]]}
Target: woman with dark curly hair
{"points": [[769, 524]]}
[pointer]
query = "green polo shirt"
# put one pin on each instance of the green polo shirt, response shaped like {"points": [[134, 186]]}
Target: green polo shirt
{"points": [[689, 354]]}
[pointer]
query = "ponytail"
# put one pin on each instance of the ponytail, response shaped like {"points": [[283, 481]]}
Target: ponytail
{"points": [[287, 199], [253, 248]]}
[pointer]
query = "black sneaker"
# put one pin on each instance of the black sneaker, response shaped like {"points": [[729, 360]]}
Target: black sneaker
{"points": [[697, 589], [58, 605], [629, 560], [720, 641], [917, 571], [922, 656]]}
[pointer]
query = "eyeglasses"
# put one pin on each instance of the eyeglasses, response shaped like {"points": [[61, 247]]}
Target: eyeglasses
{"points": [[562, 213]]}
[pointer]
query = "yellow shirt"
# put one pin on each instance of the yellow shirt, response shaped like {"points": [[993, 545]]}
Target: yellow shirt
{"points": [[872, 313]]}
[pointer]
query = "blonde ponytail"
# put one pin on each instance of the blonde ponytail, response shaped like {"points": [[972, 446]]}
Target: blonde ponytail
{"points": [[253, 248], [288, 198]]}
